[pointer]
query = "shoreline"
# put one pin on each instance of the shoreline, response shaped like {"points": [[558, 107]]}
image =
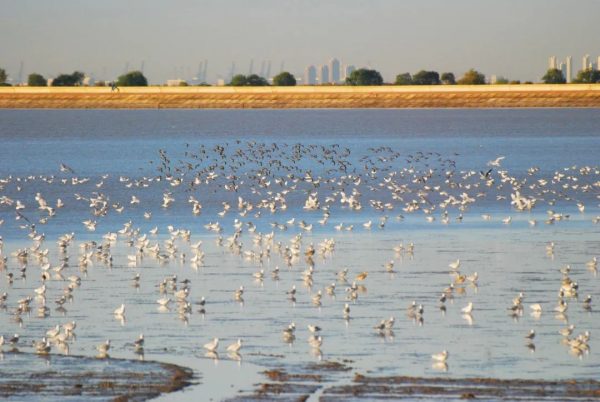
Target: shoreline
{"points": [[307, 97]]}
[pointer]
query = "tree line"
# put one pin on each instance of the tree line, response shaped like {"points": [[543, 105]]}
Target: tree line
{"points": [[362, 76], [76, 78], [555, 76]]}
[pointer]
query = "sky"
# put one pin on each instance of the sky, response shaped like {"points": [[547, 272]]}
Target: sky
{"points": [[509, 38]]}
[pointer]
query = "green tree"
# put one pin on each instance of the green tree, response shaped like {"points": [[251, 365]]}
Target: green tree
{"points": [[238, 80], [255, 80], [426, 78], [364, 76], [554, 76], [501, 81], [36, 80], [132, 79], [284, 79], [448, 79], [588, 76], [252, 80], [3, 76], [403, 79], [472, 77], [68, 80]]}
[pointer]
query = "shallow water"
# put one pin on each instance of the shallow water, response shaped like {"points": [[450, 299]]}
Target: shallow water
{"points": [[509, 258]]}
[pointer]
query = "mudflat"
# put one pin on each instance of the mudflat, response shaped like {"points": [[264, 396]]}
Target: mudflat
{"points": [[53, 377], [323, 381]]}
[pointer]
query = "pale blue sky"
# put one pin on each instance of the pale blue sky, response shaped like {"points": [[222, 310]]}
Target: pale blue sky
{"points": [[512, 38]]}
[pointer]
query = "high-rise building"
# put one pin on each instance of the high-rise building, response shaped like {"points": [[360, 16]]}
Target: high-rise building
{"points": [[348, 70], [585, 62], [323, 74], [310, 75], [552, 62], [334, 71], [598, 63], [569, 67], [563, 69]]}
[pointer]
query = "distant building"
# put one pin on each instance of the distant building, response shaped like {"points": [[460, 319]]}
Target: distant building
{"points": [[569, 68], [566, 67], [334, 71], [323, 74], [220, 82], [88, 81], [563, 69], [585, 62], [310, 75], [176, 82], [493, 79], [348, 70]]}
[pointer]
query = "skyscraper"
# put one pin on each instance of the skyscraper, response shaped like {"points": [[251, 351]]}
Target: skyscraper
{"points": [[324, 74], [310, 75], [552, 62], [598, 63], [569, 64], [334, 71], [348, 70], [585, 62]]}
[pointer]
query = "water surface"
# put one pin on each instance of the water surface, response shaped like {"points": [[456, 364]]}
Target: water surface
{"points": [[117, 148]]}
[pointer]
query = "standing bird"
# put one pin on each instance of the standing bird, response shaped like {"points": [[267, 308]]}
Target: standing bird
{"points": [[139, 342], [316, 341], [104, 347], [14, 340], [567, 331], [440, 357], [454, 265], [69, 327], [235, 347], [530, 335], [587, 302], [239, 293], [212, 345], [120, 311]]}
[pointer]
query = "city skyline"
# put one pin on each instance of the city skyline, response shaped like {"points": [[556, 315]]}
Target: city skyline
{"points": [[172, 39], [567, 69]]}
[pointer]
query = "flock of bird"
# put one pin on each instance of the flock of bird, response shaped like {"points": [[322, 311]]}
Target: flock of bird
{"points": [[272, 196]]}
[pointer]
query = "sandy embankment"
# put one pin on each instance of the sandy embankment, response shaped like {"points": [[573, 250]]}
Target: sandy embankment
{"points": [[488, 96]]}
